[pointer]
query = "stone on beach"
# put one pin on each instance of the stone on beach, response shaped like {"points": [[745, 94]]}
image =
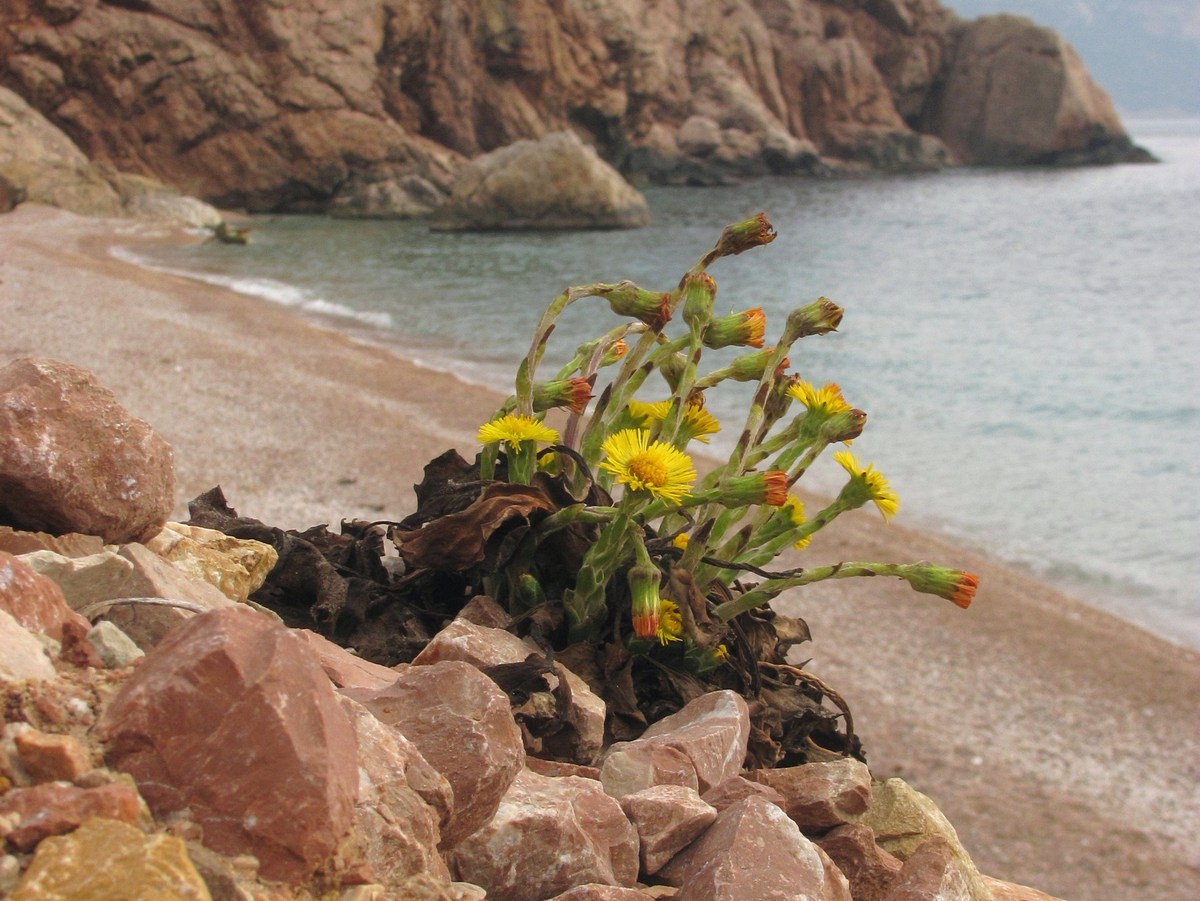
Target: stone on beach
{"points": [[237, 567], [22, 656], [549, 835], [72, 459], [668, 818], [56, 808], [819, 796], [555, 182], [32, 599], [463, 725], [83, 580], [232, 720]]}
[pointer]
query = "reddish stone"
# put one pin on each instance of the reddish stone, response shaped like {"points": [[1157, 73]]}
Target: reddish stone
{"points": [[34, 600], [712, 732], [345, 670], [596, 892], [549, 835], [463, 725], [72, 544], [484, 611], [931, 874], [871, 870], [668, 818], [232, 719], [632, 766], [754, 850], [77, 649], [737, 788], [49, 758], [1011, 891], [556, 768], [22, 655], [819, 796], [72, 459], [54, 808]]}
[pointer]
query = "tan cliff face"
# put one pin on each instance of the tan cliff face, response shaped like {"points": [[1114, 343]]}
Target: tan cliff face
{"points": [[271, 105]]}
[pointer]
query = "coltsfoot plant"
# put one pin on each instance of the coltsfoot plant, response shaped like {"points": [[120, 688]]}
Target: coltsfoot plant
{"points": [[603, 541]]}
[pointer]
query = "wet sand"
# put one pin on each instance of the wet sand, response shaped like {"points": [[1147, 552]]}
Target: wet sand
{"points": [[1063, 743]]}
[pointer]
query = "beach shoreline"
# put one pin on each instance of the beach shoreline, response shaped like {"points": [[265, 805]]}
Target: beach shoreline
{"points": [[1061, 741]]}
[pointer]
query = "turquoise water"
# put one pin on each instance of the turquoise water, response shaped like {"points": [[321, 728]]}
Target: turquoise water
{"points": [[1024, 342]]}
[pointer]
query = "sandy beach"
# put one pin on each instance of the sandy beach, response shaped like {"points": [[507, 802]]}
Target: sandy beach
{"points": [[1063, 743]]}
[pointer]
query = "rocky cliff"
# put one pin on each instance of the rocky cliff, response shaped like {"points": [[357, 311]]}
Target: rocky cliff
{"points": [[297, 105]]}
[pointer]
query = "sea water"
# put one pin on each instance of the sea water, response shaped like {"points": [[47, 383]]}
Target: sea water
{"points": [[1025, 342]]}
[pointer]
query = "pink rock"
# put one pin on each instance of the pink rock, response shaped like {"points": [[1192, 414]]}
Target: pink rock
{"points": [[668, 818], [55, 808], [50, 758], [463, 725], [1010, 891], [402, 802], [556, 768], [819, 796], [549, 835], [22, 656], [484, 611], [154, 577], [632, 766], [596, 892], [931, 874], [72, 459], [72, 544], [711, 732], [737, 788], [233, 720], [871, 870], [33, 600], [754, 850], [345, 670]]}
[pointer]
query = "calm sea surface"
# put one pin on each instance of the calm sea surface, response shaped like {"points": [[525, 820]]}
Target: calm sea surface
{"points": [[1026, 343]]}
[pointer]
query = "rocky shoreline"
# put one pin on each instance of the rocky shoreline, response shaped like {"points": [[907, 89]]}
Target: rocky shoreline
{"points": [[375, 108], [228, 756]]}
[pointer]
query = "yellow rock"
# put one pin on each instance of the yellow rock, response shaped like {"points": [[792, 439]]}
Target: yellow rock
{"points": [[236, 566], [106, 859]]}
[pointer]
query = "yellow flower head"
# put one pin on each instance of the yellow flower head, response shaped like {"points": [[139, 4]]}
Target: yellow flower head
{"points": [[512, 429], [872, 482], [698, 423], [681, 541], [826, 400], [651, 466], [793, 508], [670, 623]]}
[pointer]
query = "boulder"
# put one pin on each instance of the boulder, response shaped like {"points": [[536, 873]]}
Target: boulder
{"points": [[344, 669], [933, 874], [72, 544], [735, 788], [1016, 93], [553, 183], [229, 715], [33, 600], [871, 870], [549, 835], [72, 459], [786, 865], [462, 724], [22, 656], [55, 808], [402, 803], [819, 796], [106, 858], [632, 766], [668, 818]]}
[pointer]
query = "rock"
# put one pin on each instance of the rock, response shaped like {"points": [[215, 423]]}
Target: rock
{"points": [[229, 715], [819, 796], [72, 459], [903, 820], [736, 788], [711, 731], [50, 758], [578, 713], [10, 196], [105, 858], [668, 818], [549, 835], [1010, 891], [557, 768], [237, 567], [402, 802], [698, 136], [460, 722], [484, 611], [632, 766], [42, 165], [1016, 93], [55, 808], [75, 649], [345, 670], [380, 196], [933, 874], [596, 892], [148, 198], [72, 544], [871, 871], [21, 655], [83, 580], [114, 647], [33, 600], [753, 850], [553, 183], [153, 577]]}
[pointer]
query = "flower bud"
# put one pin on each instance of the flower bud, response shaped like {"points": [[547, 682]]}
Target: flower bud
{"points": [[573, 393], [650, 307], [744, 329], [644, 580], [699, 292], [742, 236], [818, 318], [951, 584], [615, 351]]}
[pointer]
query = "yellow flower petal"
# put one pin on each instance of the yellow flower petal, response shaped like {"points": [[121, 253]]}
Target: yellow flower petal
{"points": [[876, 485], [651, 466], [513, 429]]}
